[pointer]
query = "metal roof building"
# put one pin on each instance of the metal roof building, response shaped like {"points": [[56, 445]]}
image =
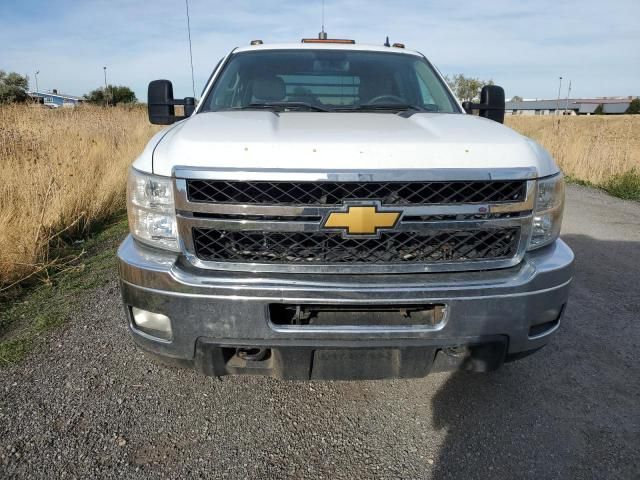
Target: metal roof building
{"points": [[54, 99], [615, 108], [572, 106]]}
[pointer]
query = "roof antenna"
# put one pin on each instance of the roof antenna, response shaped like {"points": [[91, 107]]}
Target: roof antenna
{"points": [[193, 81], [386, 43], [322, 35]]}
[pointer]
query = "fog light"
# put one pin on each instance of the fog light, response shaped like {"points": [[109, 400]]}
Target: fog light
{"points": [[154, 324], [549, 315], [547, 321]]}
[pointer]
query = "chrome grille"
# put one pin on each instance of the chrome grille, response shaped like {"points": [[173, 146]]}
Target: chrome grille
{"points": [[334, 193], [433, 246], [452, 219]]}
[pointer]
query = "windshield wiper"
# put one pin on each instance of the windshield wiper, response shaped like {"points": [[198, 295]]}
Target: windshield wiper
{"points": [[393, 107], [284, 106]]}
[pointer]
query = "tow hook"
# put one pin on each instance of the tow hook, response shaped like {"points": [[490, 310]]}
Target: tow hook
{"points": [[251, 354], [458, 351]]}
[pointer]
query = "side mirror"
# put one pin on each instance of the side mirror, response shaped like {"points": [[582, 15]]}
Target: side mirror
{"points": [[491, 104], [161, 103]]}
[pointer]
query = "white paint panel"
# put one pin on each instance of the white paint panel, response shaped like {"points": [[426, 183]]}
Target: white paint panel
{"points": [[352, 141]]}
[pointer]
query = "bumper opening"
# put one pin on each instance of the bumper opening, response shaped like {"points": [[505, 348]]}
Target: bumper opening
{"points": [[356, 315]]}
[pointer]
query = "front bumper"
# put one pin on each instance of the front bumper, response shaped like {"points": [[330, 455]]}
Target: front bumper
{"points": [[500, 313]]}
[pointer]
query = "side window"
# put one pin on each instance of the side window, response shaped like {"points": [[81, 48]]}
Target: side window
{"points": [[424, 92], [229, 88], [431, 88]]}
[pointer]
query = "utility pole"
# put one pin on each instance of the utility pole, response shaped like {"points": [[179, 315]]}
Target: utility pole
{"points": [[566, 107], [106, 98], [36, 75], [558, 101]]}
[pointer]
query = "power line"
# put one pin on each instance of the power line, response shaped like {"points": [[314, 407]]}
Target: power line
{"points": [[193, 82]]}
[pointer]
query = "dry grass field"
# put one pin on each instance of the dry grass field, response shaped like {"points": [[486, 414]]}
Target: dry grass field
{"points": [[594, 149], [64, 170]]}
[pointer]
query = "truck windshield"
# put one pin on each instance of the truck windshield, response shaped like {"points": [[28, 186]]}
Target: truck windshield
{"points": [[328, 80]]}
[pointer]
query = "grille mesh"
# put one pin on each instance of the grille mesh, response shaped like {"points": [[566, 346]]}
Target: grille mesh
{"points": [[333, 193], [328, 247]]}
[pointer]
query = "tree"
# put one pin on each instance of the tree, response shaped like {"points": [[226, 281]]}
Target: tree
{"points": [[115, 94], [13, 87], [96, 97], [634, 107], [466, 89], [516, 98], [599, 110]]}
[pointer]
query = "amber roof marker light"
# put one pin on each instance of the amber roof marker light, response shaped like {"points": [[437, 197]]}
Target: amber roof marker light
{"points": [[328, 40]]}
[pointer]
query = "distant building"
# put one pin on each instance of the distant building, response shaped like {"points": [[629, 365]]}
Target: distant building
{"points": [[54, 99], [572, 106]]}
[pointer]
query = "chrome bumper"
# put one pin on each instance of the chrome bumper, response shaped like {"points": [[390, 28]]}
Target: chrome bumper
{"points": [[224, 308]]}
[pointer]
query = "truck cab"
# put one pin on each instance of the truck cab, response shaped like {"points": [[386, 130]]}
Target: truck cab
{"points": [[329, 210]]}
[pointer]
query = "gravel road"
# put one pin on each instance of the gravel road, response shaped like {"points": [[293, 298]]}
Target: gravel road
{"points": [[91, 405]]}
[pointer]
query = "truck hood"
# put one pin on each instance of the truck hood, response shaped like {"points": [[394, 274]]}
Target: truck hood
{"points": [[254, 140]]}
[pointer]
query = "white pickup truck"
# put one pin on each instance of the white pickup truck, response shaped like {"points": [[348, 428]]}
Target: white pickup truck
{"points": [[329, 210]]}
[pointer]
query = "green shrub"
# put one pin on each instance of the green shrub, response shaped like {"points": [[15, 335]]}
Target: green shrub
{"points": [[625, 185], [634, 107]]}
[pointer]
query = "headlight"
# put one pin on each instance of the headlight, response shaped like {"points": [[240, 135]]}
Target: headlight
{"points": [[547, 216], [151, 211]]}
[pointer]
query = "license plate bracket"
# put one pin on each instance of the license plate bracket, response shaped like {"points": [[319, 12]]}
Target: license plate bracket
{"points": [[372, 363]]}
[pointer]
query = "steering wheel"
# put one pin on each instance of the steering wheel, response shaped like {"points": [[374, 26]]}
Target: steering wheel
{"points": [[393, 98]]}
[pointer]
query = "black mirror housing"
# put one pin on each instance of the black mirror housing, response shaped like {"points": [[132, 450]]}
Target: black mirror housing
{"points": [[491, 104], [493, 97], [189, 106], [161, 104]]}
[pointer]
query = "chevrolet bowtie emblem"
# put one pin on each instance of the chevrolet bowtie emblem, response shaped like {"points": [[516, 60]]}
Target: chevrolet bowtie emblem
{"points": [[362, 220]]}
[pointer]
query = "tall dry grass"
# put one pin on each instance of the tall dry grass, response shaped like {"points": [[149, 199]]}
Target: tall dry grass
{"points": [[61, 171], [593, 149]]}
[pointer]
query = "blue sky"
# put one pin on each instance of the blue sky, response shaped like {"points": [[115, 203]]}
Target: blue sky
{"points": [[523, 46]]}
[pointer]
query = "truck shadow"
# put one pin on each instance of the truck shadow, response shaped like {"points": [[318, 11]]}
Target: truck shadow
{"points": [[567, 411]]}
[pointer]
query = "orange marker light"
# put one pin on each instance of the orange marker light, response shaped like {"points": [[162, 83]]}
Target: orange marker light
{"points": [[327, 40]]}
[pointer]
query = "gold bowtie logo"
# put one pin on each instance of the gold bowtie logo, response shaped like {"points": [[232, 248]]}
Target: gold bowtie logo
{"points": [[365, 220]]}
